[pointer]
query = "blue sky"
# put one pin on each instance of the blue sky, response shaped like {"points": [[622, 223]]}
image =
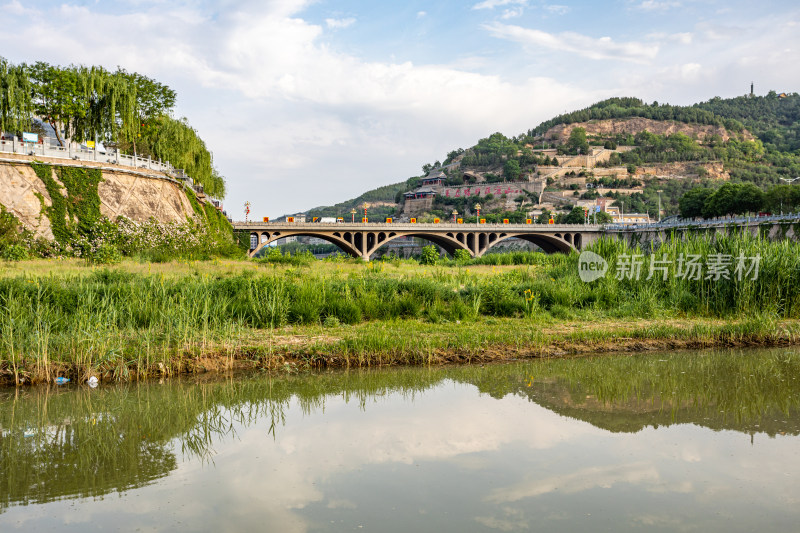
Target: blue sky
{"points": [[308, 103]]}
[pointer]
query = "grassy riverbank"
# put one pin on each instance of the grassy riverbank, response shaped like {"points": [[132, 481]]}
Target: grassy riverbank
{"points": [[65, 318]]}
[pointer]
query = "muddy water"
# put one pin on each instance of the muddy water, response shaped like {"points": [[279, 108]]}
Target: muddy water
{"points": [[704, 441]]}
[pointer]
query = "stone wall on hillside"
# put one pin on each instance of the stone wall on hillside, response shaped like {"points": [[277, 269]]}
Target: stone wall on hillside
{"points": [[477, 191], [127, 192]]}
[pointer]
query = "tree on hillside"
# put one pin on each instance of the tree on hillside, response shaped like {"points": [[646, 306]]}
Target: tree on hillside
{"points": [[16, 107], [782, 198], [576, 216], [691, 204], [511, 170], [733, 199], [577, 142], [56, 97], [176, 141], [544, 217]]}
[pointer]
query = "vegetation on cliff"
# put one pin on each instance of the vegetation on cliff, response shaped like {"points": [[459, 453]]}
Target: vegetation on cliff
{"points": [[79, 229]]}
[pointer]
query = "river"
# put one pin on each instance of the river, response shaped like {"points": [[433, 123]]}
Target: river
{"points": [[698, 441]]}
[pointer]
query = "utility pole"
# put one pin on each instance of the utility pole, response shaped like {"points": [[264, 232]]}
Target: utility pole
{"points": [[659, 204]]}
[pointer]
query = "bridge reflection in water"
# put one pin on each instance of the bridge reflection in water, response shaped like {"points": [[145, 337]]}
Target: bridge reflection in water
{"points": [[363, 240]]}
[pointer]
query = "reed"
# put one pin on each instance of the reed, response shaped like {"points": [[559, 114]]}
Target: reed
{"points": [[124, 322]]}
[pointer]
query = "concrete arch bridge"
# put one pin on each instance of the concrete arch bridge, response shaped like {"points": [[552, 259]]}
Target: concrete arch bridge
{"points": [[362, 240]]}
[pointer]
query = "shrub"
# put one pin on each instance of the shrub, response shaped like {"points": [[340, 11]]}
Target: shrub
{"points": [[429, 255], [14, 252], [462, 256], [105, 254], [331, 322]]}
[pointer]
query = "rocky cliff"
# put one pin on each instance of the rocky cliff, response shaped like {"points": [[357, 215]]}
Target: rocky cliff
{"points": [[137, 194]]}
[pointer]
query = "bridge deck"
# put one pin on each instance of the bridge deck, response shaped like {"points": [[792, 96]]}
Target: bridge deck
{"points": [[405, 227]]}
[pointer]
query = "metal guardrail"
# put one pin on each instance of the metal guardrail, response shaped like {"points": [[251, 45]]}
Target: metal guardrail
{"points": [[73, 153], [88, 154]]}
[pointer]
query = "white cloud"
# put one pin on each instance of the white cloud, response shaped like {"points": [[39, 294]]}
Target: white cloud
{"points": [[334, 124], [512, 13], [654, 5], [680, 38], [557, 9], [581, 480], [491, 4], [421, 14], [340, 23], [15, 7], [585, 46]]}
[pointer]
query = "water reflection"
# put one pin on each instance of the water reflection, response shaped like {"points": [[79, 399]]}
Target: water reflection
{"points": [[309, 451]]}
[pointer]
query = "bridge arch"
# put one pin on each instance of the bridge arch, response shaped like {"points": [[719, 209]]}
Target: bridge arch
{"points": [[548, 243], [269, 238]]}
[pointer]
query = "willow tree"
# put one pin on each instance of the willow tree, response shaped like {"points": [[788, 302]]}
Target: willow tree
{"points": [[177, 142], [121, 108], [16, 107]]}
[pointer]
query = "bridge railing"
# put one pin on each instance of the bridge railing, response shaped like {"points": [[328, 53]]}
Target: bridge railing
{"points": [[718, 221], [369, 226]]}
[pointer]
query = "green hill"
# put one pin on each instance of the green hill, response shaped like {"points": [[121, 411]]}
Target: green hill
{"points": [[773, 153]]}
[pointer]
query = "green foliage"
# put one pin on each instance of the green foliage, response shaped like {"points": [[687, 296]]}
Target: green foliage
{"points": [[78, 212], [577, 142], [691, 204], [57, 211], [772, 119], [576, 216], [91, 102], [14, 252], [430, 255], [782, 198], [121, 108], [733, 199], [491, 151], [633, 107], [461, 256], [16, 107], [11, 231], [176, 141], [511, 170], [105, 254]]}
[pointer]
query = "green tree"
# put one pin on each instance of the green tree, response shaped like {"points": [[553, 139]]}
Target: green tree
{"points": [[782, 198], [511, 170], [733, 199], [601, 217], [16, 107], [56, 97], [577, 141], [544, 217], [691, 204], [576, 216]]}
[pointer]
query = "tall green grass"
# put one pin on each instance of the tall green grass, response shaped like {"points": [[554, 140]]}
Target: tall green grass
{"points": [[135, 324]]}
